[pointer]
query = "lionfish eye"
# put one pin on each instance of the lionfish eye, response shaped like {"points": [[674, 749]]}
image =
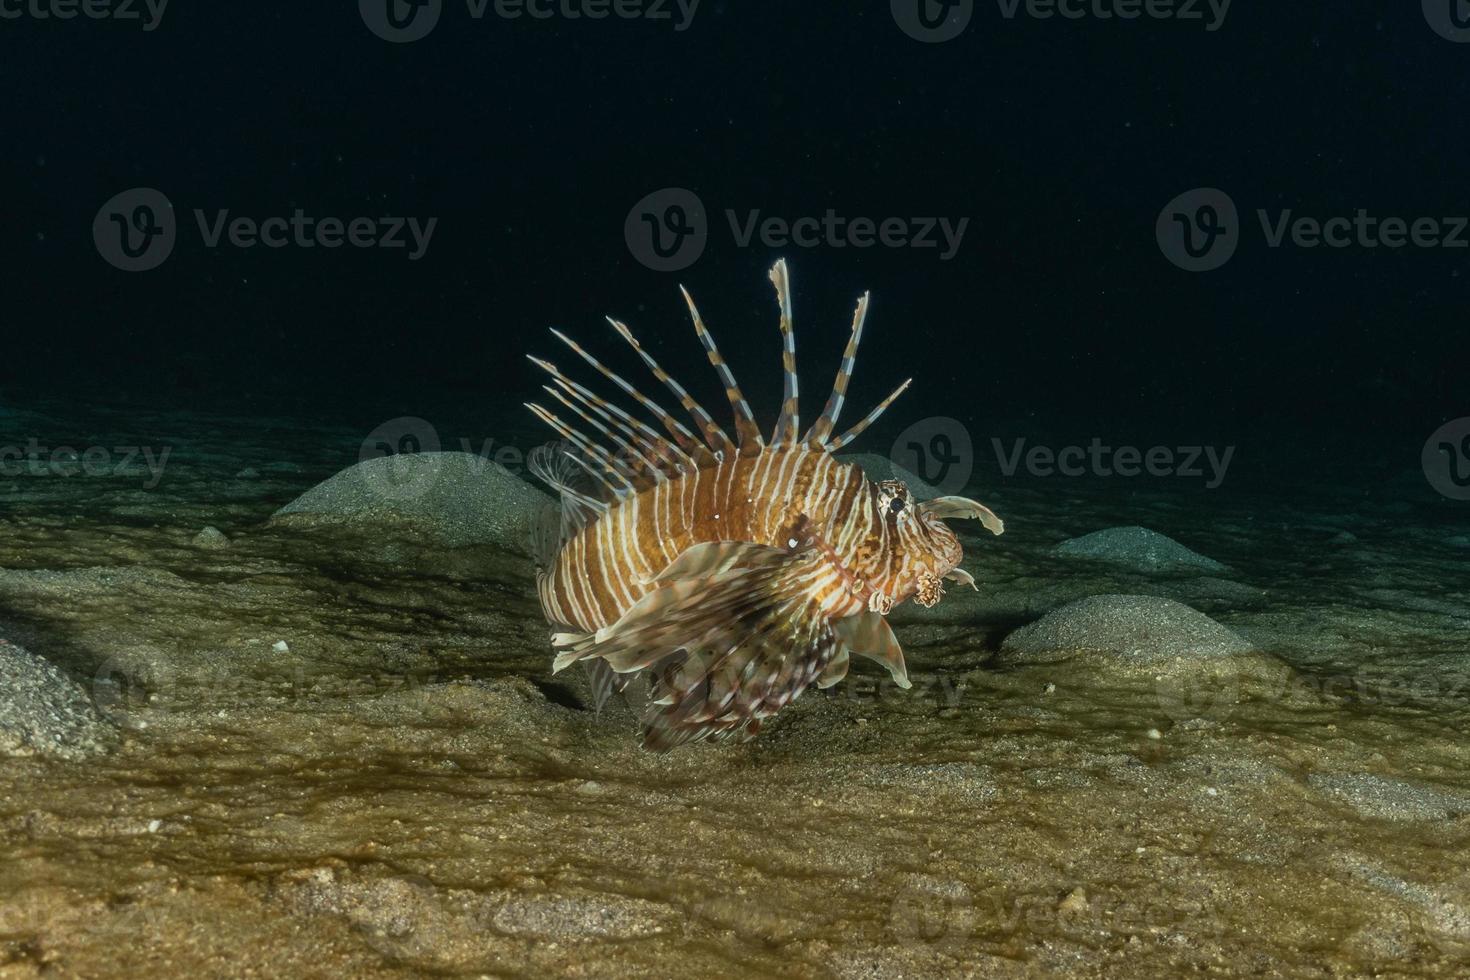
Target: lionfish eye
{"points": [[896, 505]]}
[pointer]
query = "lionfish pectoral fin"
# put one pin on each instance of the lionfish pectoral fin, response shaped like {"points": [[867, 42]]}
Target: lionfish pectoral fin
{"points": [[729, 636], [835, 670], [963, 508], [869, 635], [713, 557], [963, 577]]}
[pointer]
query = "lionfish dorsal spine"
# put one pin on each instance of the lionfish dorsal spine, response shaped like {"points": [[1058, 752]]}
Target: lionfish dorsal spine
{"points": [[714, 436], [870, 418], [626, 455], [688, 447], [817, 436], [788, 424], [747, 434]]}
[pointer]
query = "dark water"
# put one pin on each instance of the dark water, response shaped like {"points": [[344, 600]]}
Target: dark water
{"points": [[1200, 270]]}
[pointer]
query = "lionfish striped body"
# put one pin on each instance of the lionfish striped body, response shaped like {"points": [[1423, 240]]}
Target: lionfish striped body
{"points": [[733, 574]]}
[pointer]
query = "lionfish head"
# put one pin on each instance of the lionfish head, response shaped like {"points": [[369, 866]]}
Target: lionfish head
{"points": [[928, 549]]}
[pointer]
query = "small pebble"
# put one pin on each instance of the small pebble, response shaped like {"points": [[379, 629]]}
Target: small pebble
{"points": [[280, 647], [1076, 901], [1155, 734], [211, 537]]}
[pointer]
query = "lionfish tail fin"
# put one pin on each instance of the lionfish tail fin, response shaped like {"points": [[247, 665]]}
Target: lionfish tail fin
{"points": [[730, 635]]}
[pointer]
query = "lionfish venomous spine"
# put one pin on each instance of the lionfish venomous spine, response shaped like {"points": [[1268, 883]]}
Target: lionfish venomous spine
{"points": [[731, 573]]}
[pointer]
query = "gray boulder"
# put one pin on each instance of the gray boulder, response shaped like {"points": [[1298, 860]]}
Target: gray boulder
{"points": [[1135, 628], [1137, 548], [44, 712], [877, 468], [458, 499]]}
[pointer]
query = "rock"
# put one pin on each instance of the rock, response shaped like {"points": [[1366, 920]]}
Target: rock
{"points": [[248, 473], [1391, 799], [458, 499], [882, 468], [1136, 628], [1138, 548], [44, 712], [211, 537], [1075, 902]]}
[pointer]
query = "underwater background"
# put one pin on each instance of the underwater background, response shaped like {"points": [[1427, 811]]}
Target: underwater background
{"points": [[1182, 290]]}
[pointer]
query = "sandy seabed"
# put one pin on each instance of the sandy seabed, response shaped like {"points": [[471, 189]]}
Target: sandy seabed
{"points": [[336, 749]]}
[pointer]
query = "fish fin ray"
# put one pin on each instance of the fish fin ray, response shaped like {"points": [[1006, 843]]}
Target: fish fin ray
{"points": [[788, 424]]}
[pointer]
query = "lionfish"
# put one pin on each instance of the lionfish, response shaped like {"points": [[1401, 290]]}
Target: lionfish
{"points": [[731, 573]]}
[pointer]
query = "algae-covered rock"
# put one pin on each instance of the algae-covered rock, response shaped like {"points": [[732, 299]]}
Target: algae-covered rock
{"points": [[458, 499], [44, 712], [1138, 548], [1136, 628]]}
